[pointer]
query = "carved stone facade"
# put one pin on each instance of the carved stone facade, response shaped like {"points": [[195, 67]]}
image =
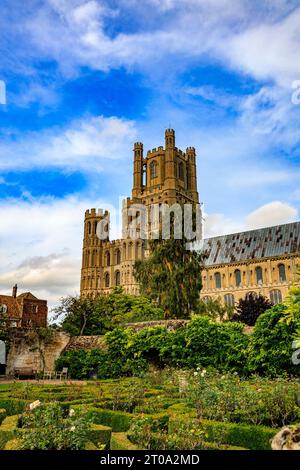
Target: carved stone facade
{"points": [[166, 175], [261, 261]]}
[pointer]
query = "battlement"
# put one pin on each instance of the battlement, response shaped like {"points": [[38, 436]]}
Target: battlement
{"points": [[138, 145], [92, 213], [156, 150], [191, 150], [170, 131]]}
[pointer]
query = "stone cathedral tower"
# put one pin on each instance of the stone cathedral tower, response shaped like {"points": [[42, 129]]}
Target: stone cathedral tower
{"points": [[166, 175]]}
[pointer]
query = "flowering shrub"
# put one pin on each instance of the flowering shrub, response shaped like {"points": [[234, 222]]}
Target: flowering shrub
{"points": [[47, 428]]}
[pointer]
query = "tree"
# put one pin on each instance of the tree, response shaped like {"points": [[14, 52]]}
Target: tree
{"points": [[95, 316], [250, 308], [270, 348], [171, 275], [215, 309], [292, 302]]}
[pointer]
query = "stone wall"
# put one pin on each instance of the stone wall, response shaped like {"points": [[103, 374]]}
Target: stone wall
{"points": [[171, 325], [26, 349], [86, 342]]}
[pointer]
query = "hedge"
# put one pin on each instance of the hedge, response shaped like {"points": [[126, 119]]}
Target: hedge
{"points": [[8, 429], [119, 421], [14, 406], [239, 435], [90, 446], [13, 444], [2, 414], [99, 434], [120, 441]]}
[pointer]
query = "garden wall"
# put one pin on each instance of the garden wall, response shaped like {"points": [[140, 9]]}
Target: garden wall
{"points": [[27, 349]]}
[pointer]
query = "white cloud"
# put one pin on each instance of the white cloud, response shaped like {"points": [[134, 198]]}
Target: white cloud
{"points": [[269, 50], [274, 213], [258, 38], [84, 144], [41, 243], [218, 224]]}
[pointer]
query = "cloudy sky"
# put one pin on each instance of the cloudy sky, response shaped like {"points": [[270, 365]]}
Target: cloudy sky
{"points": [[86, 79]]}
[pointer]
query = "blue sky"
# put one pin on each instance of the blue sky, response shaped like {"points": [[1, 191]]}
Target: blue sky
{"points": [[85, 79]]}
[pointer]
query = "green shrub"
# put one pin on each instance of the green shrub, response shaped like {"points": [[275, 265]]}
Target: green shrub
{"points": [[13, 406], [119, 421], [13, 444], [2, 414], [240, 435], [201, 343], [120, 441], [48, 428], [232, 434], [145, 429], [210, 344], [9, 423], [270, 346], [90, 446], [8, 429], [99, 434]]}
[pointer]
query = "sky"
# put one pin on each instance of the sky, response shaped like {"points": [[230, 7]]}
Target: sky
{"points": [[85, 79]]}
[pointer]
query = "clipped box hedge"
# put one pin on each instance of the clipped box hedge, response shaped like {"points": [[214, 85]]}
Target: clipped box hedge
{"points": [[99, 434], [119, 421], [13, 444], [14, 406], [2, 414], [245, 436], [120, 441], [8, 429], [90, 446]]}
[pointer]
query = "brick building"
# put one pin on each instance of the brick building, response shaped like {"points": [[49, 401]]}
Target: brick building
{"points": [[24, 310]]}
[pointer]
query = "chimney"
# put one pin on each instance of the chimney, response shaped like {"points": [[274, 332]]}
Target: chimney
{"points": [[14, 291]]}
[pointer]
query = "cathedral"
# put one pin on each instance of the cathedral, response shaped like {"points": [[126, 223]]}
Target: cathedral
{"points": [[262, 261]]}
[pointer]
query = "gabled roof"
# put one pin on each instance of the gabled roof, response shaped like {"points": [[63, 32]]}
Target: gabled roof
{"points": [[256, 244], [27, 295]]}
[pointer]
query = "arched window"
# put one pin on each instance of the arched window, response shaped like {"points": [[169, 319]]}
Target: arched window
{"points": [[107, 280], [95, 227], [259, 275], [107, 258], [282, 273], [238, 278], [118, 256], [89, 228], [276, 296], [181, 171], [252, 295], [229, 300], [153, 170], [218, 281], [118, 278], [94, 256]]}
